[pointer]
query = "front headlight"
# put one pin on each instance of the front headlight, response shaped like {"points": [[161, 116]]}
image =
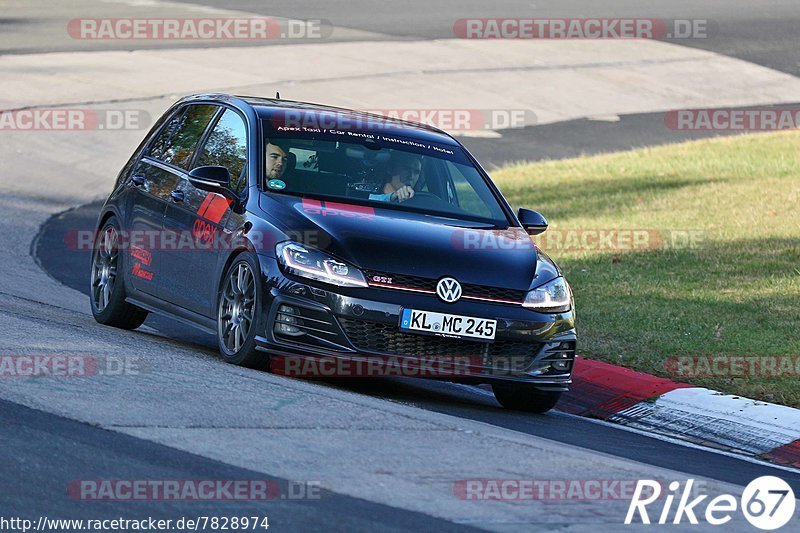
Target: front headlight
{"points": [[310, 263], [553, 297]]}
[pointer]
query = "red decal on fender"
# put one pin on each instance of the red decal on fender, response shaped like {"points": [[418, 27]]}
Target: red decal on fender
{"points": [[139, 272], [142, 255], [206, 202], [214, 207], [217, 209]]}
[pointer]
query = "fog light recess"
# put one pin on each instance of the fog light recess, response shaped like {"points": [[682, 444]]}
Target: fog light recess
{"points": [[287, 320]]}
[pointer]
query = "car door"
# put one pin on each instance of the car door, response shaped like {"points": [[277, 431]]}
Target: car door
{"points": [[150, 187], [198, 218], [155, 178]]}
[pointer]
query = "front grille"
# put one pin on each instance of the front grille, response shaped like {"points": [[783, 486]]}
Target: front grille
{"points": [[429, 284], [388, 339], [495, 293]]}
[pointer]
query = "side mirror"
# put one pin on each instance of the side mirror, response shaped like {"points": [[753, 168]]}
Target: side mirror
{"points": [[212, 179], [532, 221], [215, 179]]}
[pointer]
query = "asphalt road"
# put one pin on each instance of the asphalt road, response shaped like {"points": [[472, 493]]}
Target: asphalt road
{"points": [[766, 32], [574, 138], [51, 452]]}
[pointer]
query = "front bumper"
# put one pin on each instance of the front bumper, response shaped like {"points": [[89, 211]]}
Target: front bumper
{"points": [[352, 329]]}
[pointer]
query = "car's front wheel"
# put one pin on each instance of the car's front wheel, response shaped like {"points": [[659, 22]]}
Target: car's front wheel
{"points": [[237, 312], [108, 284], [525, 397]]}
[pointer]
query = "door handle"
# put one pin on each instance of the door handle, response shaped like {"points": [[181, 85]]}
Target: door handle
{"points": [[177, 196], [138, 181]]}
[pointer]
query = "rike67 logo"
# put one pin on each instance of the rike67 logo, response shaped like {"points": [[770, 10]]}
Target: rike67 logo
{"points": [[767, 502]]}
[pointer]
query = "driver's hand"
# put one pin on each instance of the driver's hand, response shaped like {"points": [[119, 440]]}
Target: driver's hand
{"points": [[402, 194]]}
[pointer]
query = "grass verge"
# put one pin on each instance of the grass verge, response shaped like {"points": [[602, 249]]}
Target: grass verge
{"points": [[705, 261]]}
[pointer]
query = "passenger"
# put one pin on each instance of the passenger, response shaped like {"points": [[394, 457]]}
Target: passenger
{"points": [[404, 172], [277, 160]]}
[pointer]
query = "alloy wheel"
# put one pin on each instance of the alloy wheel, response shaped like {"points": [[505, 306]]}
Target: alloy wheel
{"points": [[236, 307], [104, 268]]}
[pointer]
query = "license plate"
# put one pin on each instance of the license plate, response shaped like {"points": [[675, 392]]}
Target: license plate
{"points": [[444, 325]]}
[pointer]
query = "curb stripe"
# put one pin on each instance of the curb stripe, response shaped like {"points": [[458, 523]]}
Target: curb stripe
{"points": [[679, 410], [601, 390], [786, 455]]}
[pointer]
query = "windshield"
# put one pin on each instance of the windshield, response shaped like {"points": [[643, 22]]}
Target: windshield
{"points": [[381, 169]]}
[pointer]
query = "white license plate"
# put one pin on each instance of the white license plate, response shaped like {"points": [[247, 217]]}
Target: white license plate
{"points": [[445, 325]]}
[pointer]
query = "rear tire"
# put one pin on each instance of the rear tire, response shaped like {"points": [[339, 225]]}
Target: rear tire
{"points": [[524, 397], [238, 305], [107, 292]]}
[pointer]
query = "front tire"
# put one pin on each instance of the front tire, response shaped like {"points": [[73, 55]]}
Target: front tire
{"points": [[108, 283], [524, 397], [238, 307]]}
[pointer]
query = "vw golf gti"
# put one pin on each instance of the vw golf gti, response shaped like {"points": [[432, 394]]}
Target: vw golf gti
{"points": [[308, 232]]}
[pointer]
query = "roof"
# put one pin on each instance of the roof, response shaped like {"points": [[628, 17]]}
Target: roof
{"points": [[309, 114]]}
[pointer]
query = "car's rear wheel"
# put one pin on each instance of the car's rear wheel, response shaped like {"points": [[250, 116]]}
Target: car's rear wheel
{"points": [[237, 313], [108, 284], [524, 397]]}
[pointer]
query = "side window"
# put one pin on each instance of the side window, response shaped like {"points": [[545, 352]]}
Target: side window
{"points": [[177, 141], [464, 194], [227, 147]]}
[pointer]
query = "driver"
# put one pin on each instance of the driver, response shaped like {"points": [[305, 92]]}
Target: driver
{"points": [[404, 172]]}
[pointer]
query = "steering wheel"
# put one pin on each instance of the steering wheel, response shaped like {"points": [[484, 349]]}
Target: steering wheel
{"points": [[423, 199]]}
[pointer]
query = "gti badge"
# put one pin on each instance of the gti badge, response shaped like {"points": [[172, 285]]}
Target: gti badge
{"points": [[449, 290]]}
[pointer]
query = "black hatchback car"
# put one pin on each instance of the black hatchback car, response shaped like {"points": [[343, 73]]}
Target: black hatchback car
{"points": [[300, 233]]}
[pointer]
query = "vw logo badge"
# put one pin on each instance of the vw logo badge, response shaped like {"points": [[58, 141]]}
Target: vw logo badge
{"points": [[449, 290]]}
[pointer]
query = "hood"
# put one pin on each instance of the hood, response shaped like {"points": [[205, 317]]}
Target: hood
{"points": [[400, 242]]}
